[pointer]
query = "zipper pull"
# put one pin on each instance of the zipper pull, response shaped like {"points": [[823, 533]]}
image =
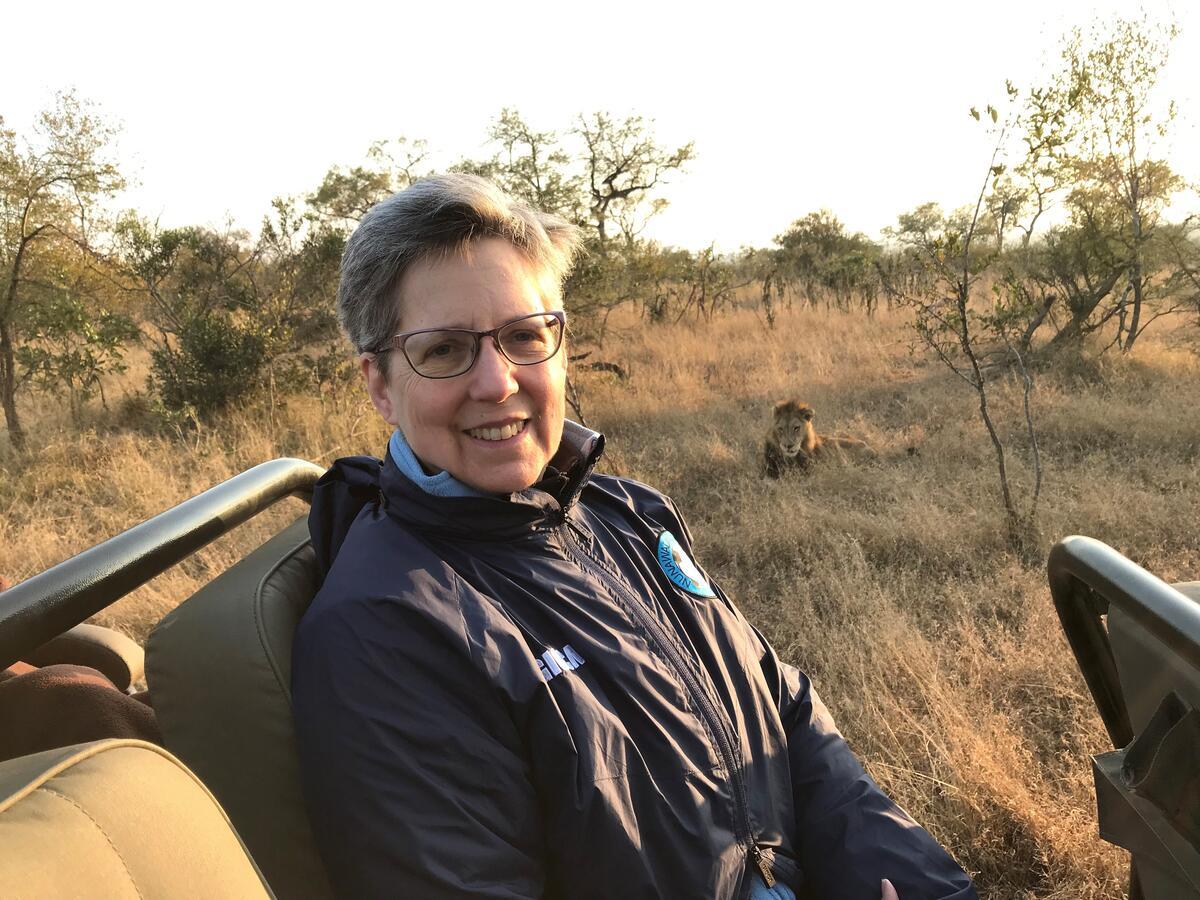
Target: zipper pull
{"points": [[581, 534], [760, 860]]}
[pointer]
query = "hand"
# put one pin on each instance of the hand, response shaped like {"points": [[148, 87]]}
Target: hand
{"points": [[889, 892]]}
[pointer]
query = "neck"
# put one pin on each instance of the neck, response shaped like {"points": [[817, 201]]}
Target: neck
{"points": [[437, 483]]}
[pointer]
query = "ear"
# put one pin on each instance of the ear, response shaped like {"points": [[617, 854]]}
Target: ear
{"points": [[377, 387]]}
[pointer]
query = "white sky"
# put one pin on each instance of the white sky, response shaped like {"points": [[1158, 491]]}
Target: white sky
{"points": [[858, 107]]}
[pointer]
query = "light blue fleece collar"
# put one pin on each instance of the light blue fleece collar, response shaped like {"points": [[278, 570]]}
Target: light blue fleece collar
{"points": [[443, 484]]}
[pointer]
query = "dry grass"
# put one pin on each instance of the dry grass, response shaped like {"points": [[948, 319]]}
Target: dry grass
{"points": [[888, 581]]}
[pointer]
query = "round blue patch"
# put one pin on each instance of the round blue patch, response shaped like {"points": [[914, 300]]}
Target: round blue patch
{"points": [[681, 570]]}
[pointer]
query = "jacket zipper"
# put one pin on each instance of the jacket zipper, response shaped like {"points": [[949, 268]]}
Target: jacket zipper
{"points": [[706, 704]]}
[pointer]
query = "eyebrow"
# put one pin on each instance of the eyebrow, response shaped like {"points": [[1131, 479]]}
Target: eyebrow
{"points": [[540, 312]]}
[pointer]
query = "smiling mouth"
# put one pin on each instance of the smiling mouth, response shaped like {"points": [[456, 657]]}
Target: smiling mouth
{"points": [[498, 434]]}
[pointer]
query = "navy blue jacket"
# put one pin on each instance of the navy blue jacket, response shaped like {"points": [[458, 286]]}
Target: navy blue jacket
{"points": [[543, 696]]}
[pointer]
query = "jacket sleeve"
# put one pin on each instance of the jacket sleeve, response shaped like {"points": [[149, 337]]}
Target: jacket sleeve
{"points": [[412, 769], [849, 833]]}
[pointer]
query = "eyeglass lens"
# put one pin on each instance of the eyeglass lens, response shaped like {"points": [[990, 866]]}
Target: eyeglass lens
{"points": [[449, 352]]}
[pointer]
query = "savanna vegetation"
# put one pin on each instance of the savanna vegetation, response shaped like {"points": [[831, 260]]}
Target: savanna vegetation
{"points": [[1027, 367]]}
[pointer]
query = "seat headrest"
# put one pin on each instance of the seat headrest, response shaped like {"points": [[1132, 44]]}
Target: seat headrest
{"points": [[219, 672]]}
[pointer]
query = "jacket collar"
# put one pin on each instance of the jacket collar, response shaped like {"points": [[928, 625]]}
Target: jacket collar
{"points": [[494, 516]]}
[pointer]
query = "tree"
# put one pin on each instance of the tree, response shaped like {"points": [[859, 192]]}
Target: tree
{"points": [[1044, 131], [762, 265], [203, 306], [623, 166], [817, 252], [295, 273], [1080, 264], [963, 330], [345, 194], [638, 271], [1089, 138], [532, 165], [221, 309], [51, 190], [1005, 203], [1181, 246], [1105, 101], [71, 340], [710, 282]]}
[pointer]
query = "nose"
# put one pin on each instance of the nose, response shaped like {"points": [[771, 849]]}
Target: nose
{"points": [[493, 377]]}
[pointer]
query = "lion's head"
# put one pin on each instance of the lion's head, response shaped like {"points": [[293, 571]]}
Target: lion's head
{"points": [[793, 427]]}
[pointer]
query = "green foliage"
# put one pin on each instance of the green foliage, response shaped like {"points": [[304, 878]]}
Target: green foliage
{"points": [[213, 361], [1094, 133], [224, 309], [668, 283], [69, 347], [533, 165], [1084, 140], [326, 372], [1005, 204], [941, 245], [707, 284], [296, 271], [345, 195], [51, 188], [1080, 264], [602, 282], [818, 254]]}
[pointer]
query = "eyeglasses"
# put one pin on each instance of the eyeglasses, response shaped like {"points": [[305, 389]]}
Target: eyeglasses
{"points": [[447, 352]]}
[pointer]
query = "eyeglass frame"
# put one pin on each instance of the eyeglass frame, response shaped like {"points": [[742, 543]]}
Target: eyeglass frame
{"points": [[396, 342]]}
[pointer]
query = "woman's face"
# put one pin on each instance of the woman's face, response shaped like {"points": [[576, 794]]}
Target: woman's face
{"points": [[449, 422]]}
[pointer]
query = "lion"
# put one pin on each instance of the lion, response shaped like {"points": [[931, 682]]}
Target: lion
{"points": [[792, 441]]}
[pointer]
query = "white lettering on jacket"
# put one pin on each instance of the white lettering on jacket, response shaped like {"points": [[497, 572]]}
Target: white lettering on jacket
{"points": [[555, 662]]}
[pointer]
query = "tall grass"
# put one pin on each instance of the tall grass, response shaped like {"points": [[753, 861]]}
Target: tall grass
{"points": [[888, 581]]}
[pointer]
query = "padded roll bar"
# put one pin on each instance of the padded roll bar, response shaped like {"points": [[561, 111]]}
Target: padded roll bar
{"points": [[53, 601], [1086, 576]]}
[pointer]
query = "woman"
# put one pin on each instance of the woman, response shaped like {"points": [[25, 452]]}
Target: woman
{"points": [[515, 681]]}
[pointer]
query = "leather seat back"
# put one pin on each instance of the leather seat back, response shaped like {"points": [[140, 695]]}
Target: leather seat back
{"points": [[219, 672], [116, 819]]}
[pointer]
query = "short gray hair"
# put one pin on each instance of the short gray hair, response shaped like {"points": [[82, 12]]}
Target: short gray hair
{"points": [[435, 217]]}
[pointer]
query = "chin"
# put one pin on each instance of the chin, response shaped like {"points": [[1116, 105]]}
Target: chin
{"points": [[505, 480], [504, 470]]}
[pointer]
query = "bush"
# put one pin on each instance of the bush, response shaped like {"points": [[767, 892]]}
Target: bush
{"points": [[212, 362]]}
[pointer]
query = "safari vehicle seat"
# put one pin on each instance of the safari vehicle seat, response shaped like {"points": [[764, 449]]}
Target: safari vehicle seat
{"points": [[116, 819], [219, 671]]}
